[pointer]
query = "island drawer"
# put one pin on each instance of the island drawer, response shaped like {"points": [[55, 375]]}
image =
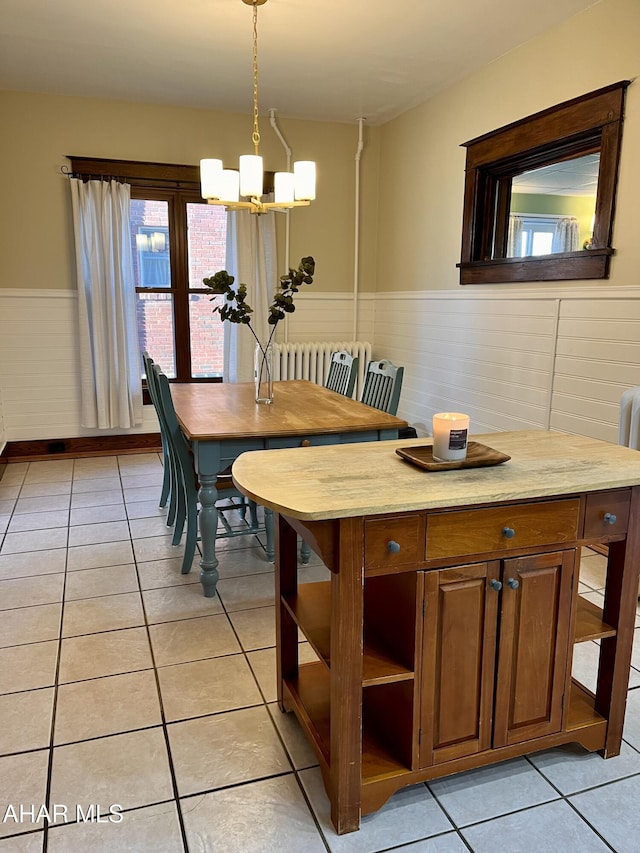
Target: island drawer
{"points": [[607, 513], [478, 531], [393, 541]]}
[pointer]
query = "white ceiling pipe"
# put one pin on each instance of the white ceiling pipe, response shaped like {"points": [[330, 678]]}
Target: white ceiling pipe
{"points": [[356, 248], [287, 222]]}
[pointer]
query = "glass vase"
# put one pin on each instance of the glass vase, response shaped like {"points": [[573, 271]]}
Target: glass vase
{"points": [[263, 373]]}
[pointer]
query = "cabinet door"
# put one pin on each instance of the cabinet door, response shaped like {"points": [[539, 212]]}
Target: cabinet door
{"points": [[458, 661], [533, 646]]}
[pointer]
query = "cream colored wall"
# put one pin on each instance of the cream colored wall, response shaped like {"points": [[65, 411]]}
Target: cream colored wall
{"points": [[422, 163], [36, 244]]}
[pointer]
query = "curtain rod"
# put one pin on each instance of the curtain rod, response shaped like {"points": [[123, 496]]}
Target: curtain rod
{"points": [[90, 176]]}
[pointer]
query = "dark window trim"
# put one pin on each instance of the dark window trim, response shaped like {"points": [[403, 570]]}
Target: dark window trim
{"points": [[142, 174], [586, 124]]}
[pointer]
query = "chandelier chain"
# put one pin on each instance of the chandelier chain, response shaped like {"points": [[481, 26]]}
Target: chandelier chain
{"points": [[256, 130]]}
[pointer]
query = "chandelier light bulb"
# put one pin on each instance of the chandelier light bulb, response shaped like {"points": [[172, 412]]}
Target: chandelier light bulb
{"points": [[304, 172], [230, 186], [284, 187], [210, 178], [251, 175]]}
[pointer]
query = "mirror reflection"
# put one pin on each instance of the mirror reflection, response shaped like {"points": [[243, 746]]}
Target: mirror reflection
{"points": [[552, 208]]}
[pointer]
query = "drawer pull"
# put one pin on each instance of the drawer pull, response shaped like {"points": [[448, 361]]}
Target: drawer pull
{"points": [[610, 518], [494, 584], [393, 547], [513, 583], [305, 443], [508, 532]]}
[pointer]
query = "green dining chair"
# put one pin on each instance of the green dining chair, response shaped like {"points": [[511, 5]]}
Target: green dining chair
{"points": [[187, 484], [168, 491], [343, 370], [382, 386]]}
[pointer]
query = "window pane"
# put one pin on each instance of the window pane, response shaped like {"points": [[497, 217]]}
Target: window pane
{"points": [[207, 337], [155, 329], [150, 242], [207, 235]]}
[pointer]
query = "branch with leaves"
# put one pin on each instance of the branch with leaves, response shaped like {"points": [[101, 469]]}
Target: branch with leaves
{"points": [[236, 309]]}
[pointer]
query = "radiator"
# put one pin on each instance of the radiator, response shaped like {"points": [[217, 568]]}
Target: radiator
{"points": [[311, 360]]}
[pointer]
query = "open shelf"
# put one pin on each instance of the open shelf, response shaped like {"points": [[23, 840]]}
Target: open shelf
{"points": [[582, 711], [310, 695], [589, 624], [311, 609]]}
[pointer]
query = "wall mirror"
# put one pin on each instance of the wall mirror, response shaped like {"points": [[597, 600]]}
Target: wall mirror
{"points": [[540, 194]]}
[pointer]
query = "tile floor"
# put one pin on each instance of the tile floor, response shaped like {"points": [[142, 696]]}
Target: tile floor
{"points": [[122, 687]]}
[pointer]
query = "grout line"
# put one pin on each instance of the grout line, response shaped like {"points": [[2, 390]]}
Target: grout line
{"points": [[165, 732]]}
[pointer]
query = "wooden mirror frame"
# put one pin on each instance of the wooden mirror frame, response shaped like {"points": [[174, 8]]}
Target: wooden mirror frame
{"points": [[585, 125]]}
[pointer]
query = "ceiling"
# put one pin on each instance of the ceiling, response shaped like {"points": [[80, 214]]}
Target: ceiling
{"points": [[329, 60], [576, 177]]}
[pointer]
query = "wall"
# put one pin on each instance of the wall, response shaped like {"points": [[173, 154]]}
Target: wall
{"points": [[39, 364], [38, 348], [555, 355], [532, 360], [422, 163], [36, 236]]}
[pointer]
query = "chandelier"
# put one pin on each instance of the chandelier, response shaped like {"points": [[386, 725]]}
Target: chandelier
{"points": [[226, 186]]}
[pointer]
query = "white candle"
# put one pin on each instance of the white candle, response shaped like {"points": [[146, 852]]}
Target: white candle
{"points": [[450, 432]]}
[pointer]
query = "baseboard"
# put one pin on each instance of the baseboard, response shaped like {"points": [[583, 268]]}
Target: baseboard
{"points": [[73, 448]]}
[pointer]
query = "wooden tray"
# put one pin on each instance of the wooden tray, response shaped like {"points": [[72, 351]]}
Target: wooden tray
{"points": [[478, 456]]}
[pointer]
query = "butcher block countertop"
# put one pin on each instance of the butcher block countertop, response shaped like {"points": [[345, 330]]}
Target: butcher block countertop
{"points": [[369, 478]]}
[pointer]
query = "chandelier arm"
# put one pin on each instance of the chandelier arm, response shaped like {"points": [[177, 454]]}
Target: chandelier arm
{"points": [[258, 207]]}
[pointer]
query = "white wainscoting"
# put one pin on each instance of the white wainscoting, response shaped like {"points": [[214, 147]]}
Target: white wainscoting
{"points": [[39, 376], [322, 316], [597, 358], [549, 358]]}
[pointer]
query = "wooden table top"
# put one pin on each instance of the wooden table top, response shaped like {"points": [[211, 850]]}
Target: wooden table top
{"points": [[343, 481], [215, 411]]}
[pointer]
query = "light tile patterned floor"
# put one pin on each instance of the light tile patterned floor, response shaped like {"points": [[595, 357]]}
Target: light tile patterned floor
{"points": [[121, 684]]}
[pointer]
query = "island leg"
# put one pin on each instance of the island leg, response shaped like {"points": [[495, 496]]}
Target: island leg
{"points": [[208, 523], [347, 588]]}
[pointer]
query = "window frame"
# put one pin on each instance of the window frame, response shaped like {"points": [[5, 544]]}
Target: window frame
{"points": [[585, 125]]}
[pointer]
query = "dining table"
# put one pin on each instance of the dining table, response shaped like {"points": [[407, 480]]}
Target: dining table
{"points": [[223, 420]]}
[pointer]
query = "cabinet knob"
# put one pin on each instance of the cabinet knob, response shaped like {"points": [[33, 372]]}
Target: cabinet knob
{"points": [[305, 443], [610, 518], [393, 547], [508, 532], [513, 583], [495, 584]]}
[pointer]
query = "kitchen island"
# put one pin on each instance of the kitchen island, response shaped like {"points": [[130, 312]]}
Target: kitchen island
{"points": [[445, 634]]}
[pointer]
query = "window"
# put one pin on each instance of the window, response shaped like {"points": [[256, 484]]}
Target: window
{"points": [[558, 165], [176, 241]]}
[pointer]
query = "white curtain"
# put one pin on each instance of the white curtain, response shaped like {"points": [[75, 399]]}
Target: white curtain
{"points": [[111, 386], [251, 258], [514, 237], [566, 235]]}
